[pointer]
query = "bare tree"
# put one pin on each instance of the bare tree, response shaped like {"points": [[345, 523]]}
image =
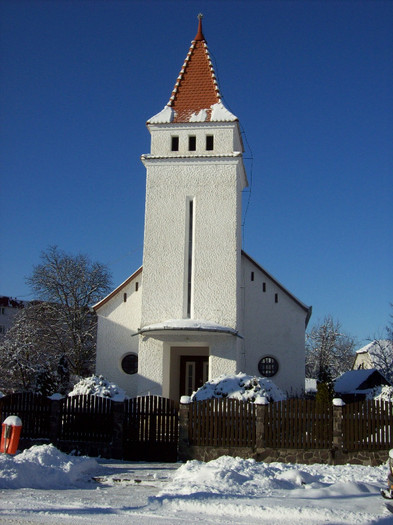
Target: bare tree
{"points": [[30, 352], [70, 285], [56, 334], [381, 352], [329, 351]]}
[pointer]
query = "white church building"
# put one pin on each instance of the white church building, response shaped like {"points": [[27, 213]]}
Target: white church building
{"points": [[199, 306]]}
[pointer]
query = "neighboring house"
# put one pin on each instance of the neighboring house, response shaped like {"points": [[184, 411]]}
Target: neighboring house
{"points": [[200, 306], [9, 307], [377, 354], [356, 384]]}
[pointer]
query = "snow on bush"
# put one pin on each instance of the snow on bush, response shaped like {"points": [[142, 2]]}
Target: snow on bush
{"points": [[381, 393], [44, 467], [240, 386], [98, 386]]}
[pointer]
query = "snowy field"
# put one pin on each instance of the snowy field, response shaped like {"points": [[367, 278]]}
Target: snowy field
{"points": [[43, 485]]}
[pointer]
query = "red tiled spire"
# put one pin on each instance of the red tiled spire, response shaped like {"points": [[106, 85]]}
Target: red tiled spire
{"points": [[196, 88]]}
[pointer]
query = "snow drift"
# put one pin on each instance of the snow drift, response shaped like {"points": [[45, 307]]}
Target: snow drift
{"points": [[44, 467]]}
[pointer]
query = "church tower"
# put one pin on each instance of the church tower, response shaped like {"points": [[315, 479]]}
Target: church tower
{"points": [[192, 240]]}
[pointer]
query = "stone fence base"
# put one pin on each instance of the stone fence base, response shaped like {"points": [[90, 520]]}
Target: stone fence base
{"points": [[269, 455]]}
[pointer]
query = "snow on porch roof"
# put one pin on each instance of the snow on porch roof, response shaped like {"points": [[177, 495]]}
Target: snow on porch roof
{"points": [[189, 325]]}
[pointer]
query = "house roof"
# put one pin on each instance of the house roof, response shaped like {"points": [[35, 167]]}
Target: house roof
{"points": [[10, 302], [196, 96], [355, 381]]}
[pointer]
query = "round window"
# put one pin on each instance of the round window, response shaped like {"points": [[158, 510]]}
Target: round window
{"points": [[129, 364], [268, 366]]}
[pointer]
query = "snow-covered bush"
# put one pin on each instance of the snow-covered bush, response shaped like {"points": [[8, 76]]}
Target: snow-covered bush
{"points": [[240, 386], [98, 386], [381, 393]]}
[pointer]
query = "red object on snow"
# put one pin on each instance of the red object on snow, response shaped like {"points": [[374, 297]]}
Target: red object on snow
{"points": [[11, 429]]}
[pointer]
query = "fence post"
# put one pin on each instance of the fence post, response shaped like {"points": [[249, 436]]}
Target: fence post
{"points": [[117, 443], [55, 420], [184, 417], [337, 445], [261, 405]]}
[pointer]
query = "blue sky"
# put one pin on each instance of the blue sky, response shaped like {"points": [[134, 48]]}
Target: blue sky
{"points": [[311, 83]]}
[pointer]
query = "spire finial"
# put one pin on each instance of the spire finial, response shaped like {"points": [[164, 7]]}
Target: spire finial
{"points": [[199, 35]]}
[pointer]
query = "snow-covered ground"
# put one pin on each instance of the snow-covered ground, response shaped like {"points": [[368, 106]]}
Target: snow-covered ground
{"points": [[43, 485]]}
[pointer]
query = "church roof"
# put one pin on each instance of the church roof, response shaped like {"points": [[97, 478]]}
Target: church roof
{"points": [[196, 96]]}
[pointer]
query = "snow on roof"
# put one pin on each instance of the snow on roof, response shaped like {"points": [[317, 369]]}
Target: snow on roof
{"points": [[189, 325], [350, 381], [375, 346]]}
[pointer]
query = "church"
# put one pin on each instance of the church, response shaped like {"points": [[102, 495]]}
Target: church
{"points": [[199, 306]]}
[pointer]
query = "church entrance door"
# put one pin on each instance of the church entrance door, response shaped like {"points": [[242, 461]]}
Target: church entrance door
{"points": [[194, 372]]}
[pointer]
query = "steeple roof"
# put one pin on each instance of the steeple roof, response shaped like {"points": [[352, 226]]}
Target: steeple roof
{"points": [[196, 96]]}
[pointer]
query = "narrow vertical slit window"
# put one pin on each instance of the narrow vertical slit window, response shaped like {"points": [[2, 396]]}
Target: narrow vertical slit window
{"points": [[276, 298], [125, 297], [175, 143], [209, 143], [189, 254], [263, 287], [252, 276], [136, 286], [192, 143]]}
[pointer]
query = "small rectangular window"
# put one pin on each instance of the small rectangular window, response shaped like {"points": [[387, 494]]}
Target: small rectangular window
{"points": [[209, 142], [276, 298], [136, 286], [263, 287], [2, 329], [192, 143], [2, 311], [125, 297], [175, 143], [252, 276]]}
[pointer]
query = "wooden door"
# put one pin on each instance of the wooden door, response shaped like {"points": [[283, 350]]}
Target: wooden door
{"points": [[194, 372]]}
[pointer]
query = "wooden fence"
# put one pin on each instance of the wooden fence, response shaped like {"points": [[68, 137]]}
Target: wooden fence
{"points": [[144, 428], [147, 428], [299, 424], [368, 425], [151, 428], [33, 409], [222, 422]]}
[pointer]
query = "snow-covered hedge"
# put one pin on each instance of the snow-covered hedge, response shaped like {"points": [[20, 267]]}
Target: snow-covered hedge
{"points": [[240, 386], [381, 393], [98, 386]]}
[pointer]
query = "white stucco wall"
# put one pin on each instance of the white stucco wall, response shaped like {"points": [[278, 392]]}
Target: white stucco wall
{"points": [[159, 358], [227, 138], [275, 329], [214, 186], [117, 322]]}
